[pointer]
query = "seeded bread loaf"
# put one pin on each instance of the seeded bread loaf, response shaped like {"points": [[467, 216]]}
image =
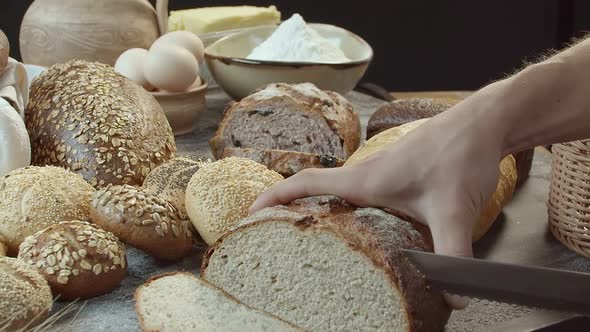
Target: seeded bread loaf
{"points": [[85, 117], [286, 163], [501, 197], [4, 51], [170, 179], [220, 194], [403, 111], [33, 198], [25, 297], [78, 259], [142, 219], [290, 117], [324, 265], [181, 301]]}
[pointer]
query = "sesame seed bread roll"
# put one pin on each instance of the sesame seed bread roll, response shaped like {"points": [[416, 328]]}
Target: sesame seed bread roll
{"points": [[85, 117], [144, 220], [33, 198], [78, 259], [220, 194], [25, 296], [170, 179]]}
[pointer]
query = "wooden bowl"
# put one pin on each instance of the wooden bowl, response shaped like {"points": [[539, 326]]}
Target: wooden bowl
{"points": [[183, 109]]}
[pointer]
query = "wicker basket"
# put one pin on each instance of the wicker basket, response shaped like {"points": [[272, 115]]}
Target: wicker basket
{"points": [[569, 196]]}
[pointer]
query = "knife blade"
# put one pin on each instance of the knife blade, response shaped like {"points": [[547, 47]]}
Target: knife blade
{"points": [[539, 287]]}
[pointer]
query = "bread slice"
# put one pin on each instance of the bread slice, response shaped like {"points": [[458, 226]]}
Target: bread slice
{"points": [[180, 301], [286, 163], [324, 265], [292, 117]]}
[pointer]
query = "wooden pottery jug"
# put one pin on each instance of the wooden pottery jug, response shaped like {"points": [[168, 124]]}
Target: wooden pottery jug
{"points": [[55, 31]]}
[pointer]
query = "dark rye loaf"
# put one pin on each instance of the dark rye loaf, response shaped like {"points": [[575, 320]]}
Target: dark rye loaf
{"points": [[324, 265], [85, 117], [298, 118], [403, 111]]}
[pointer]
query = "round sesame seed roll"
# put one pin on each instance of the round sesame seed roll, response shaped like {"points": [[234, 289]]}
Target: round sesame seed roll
{"points": [[170, 179], [87, 118], [144, 220], [78, 259], [25, 297], [34, 198]]}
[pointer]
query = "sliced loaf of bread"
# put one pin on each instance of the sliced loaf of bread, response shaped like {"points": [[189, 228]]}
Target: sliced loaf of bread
{"points": [[181, 301], [324, 265]]}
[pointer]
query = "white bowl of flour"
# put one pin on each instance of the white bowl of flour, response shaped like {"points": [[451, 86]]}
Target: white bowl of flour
{"points": [[330, 57]]}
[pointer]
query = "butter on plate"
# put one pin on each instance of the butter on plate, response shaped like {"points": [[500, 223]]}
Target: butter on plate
{"points": [[213, 19]]}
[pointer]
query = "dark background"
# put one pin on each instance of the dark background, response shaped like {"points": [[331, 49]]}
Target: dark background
{"points": [[421, 44]]}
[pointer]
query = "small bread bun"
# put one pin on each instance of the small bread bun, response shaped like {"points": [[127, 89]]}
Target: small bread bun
{"points": [[220, 194], [33, 198], [144, 220], [170, 179], [4, 51], [25, 297], [78, 259]]}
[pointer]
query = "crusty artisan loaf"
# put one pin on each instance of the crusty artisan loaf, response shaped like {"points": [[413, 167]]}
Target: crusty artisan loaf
{"points": [[4, 51], [291, 117], [181, 301], [220, 194], [87, 118], [403, 111], [170, 179], [25, 297], [33, 198], [504, 191], [324, 265], [286, 163], [78, 259], [142, 219]]}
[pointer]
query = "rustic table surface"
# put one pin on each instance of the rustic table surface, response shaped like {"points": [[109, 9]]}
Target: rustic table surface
{"points": [[519, 236]]}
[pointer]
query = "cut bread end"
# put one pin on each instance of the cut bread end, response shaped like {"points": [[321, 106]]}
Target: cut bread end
{"points": [[307, 276], [181, 301]]}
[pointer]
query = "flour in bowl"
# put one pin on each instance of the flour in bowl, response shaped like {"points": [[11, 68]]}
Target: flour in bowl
{"points": [[294, 41]]}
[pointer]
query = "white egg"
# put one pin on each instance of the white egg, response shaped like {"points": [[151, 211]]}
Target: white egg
{"points": [[170, 68], [130, 65], [185, 39]]}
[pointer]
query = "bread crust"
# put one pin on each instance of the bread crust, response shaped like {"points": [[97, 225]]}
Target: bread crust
{"points": [[332, 107], [78, 259], [369, 231], [85, 117], [144, 220], [286, 163]]}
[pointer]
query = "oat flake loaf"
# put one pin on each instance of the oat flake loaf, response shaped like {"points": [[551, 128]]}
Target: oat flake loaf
{"points": [[85, 117], [78, 259], [25, 296], [324, 265], [220, 194], [144, 220], [170, 179], [290, 117], [33, 198], [504, 190]]}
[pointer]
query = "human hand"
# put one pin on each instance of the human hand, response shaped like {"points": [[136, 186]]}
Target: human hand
{"points": [[441, 174]]}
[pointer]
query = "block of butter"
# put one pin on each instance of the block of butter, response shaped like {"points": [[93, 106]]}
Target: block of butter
{"points": [[214, 19]]}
